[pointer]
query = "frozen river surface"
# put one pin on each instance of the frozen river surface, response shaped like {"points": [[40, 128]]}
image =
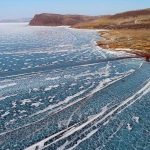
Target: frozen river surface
{"points": [[58, 91]]}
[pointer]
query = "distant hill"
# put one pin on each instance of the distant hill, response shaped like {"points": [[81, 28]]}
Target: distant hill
{"points": [[134, 13], [137, 19], [59, 20]]}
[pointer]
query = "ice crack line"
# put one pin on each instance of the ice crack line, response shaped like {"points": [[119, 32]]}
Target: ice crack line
{"points": [[103, 117]]}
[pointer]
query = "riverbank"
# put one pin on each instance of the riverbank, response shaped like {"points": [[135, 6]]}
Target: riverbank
{"points": [[129, 40]]}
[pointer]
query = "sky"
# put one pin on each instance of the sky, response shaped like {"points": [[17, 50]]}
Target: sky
{"points": [[15, 9]]}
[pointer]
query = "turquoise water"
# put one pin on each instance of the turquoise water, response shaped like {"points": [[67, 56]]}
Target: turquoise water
{"points": [[58, 90]]}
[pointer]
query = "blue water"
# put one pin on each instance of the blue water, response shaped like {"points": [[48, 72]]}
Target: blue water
{"points": [[59, 91]]}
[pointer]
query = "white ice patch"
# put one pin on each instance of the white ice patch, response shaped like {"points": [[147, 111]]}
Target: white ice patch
{"points": [[136, 119], [5, 114], [35, 89], [51, 87], [14, 104], [22, 111], [25, 101], [3, 98], [50, 78], [36, 104], [65, 45], [7, 85], [129, 127]]}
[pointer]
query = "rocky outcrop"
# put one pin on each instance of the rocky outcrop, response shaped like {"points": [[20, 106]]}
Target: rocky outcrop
{"points": [[59, 20]]}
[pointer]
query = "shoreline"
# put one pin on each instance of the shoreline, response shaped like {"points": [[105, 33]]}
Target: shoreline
{"points": [[110, 42], [103, 42]]}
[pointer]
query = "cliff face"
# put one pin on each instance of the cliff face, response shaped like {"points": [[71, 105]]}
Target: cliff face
{"points": [[58, 20]]}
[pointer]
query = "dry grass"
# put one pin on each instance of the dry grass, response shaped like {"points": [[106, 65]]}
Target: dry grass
{"points": [[117, 23], [137, 40], [127, 20]]}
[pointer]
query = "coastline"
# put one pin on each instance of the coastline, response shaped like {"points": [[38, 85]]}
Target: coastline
{"points": [[110, 41]]}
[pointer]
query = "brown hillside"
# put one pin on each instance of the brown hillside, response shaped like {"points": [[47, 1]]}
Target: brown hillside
{"points": [[139, 19], [135, 13]]}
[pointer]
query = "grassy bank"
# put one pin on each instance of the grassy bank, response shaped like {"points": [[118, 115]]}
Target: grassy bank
{"points": [[136, 40]]}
